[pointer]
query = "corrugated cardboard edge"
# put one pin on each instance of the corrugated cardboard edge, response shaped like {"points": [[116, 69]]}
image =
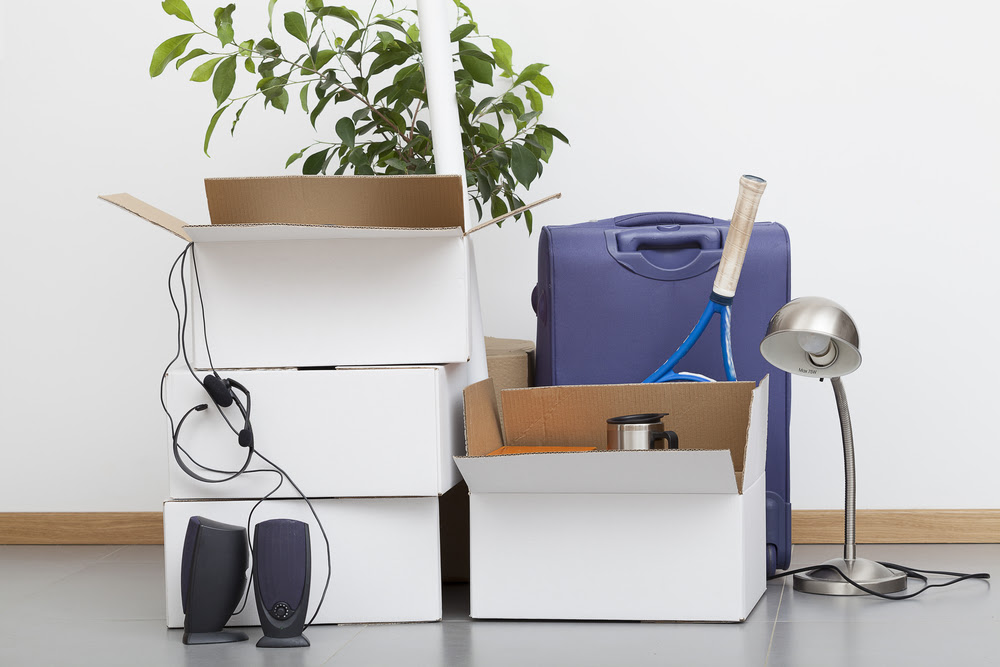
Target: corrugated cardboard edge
{"points": [[148, 213], [755, 466], [482, 421]]}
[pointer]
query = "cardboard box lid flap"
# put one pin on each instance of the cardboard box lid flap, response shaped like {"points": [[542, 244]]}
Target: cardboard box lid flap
{"points": [[432, 201], [149, 213], [755, 457], [626, 472]]}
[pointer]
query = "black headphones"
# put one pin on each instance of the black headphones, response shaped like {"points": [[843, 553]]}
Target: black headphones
{"points": [[220, 390]]}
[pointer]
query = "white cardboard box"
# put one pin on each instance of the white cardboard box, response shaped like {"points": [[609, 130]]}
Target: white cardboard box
{"points": [[312, 271], [617, 535], [346, 432], [385, 553]]}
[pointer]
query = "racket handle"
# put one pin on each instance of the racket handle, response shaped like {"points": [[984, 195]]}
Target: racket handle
{"points": [[751, 188]]}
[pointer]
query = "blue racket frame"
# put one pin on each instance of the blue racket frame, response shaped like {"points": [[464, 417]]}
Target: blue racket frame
{"points": [[666, 373]]}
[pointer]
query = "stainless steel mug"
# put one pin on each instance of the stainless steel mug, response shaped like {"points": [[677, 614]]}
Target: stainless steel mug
{"points": [[644, 431]]}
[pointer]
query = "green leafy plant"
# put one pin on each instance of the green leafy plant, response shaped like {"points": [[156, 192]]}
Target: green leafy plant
{"points": [[368, 70]]}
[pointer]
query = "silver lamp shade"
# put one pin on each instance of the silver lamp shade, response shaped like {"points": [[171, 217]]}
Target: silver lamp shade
{"points": [[814, 337]]}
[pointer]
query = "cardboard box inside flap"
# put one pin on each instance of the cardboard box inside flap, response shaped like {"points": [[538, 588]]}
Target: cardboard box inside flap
{"points": [[352, 201], [316, 207], [722, 429]]}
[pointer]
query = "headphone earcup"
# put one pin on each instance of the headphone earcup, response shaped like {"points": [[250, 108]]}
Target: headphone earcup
{"points": [[218, 390], [246, 437]]}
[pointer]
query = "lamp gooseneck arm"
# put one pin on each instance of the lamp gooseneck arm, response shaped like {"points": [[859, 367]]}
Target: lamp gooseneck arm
{"points": [[850, 551]]}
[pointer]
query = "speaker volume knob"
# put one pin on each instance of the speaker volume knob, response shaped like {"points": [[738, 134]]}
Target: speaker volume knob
{"points": [[281, 610]]}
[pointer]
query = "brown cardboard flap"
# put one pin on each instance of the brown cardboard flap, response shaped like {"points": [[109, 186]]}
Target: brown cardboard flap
{"points": [[705, 416], [149, 213], [357, 201], [482, 424]]}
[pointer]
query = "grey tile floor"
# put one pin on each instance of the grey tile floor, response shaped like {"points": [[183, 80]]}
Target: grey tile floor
{"points": [[104, 605]]}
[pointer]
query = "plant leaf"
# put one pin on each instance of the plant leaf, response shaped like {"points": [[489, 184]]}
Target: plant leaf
{"points": [[322, 58], [386, 60], [542, 83], [318, 109], [529, 73], [503, 56], [482, 105], [167, 51], [524, 164], [270, 13], [248, 65], [224, 79], [292, 158], [524, 119], [295, 24], [554, 132], [545, 141], [342, 13], [211, 126], [461, 32], [534, 98], [193, 53], [314, 163], [179, 9], [345, 130], [280, 101], [497, 207], [481, 70], [224, 23], [239, 112], [267, 47], [203, 72]]}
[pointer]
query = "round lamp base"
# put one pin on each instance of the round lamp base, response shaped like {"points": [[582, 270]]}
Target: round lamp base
{"points": [[868, 573]]}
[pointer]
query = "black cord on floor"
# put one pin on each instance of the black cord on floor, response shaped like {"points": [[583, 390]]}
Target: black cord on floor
{"points": [[908, 571]]}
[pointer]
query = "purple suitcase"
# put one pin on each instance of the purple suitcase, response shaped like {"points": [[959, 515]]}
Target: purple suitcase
{"points": [[616, 297]]}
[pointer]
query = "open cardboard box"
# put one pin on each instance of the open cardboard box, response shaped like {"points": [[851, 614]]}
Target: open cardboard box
{"points": [[306, 271], [669, 535]]}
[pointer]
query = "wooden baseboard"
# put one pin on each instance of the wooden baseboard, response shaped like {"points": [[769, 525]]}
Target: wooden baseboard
{"points": [[808, 527], [81, 527], [898, 526]]}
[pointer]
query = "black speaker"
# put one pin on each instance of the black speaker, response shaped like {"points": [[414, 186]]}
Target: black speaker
{"points": [[213, 577], [281, 573]]}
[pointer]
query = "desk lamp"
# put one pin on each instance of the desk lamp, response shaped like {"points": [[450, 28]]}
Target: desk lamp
{"points": [[815, 337]]}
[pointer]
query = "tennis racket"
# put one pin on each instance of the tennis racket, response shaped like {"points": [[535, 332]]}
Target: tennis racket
{"points": [[724, 288]]}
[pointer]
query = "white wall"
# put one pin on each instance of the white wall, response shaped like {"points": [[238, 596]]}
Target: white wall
{"points": [[874, 123]]}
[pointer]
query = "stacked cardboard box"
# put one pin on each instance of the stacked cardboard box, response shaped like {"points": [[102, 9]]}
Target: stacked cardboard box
{"points": [[347, 306]]}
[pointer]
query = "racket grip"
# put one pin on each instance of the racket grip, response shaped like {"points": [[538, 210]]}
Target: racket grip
{"points": [[751, 189]]}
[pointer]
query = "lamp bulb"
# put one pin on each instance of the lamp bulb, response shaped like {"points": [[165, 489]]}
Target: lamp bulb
{"points": [[813, 343]]}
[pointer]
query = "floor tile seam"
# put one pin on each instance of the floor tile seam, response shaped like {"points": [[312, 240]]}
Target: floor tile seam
{"points": [[347, 643], [112, 553], [774, 625]]}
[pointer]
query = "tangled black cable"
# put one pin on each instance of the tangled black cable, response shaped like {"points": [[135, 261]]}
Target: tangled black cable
{"points": [[910, 572], [181, 351]]}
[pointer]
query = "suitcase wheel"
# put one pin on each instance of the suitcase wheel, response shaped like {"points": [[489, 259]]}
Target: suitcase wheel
{"points": [[772, 559]]}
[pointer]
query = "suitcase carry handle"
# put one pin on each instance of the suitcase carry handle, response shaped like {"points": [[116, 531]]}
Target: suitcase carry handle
{"points": [[625, 247], [658, 218]]}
